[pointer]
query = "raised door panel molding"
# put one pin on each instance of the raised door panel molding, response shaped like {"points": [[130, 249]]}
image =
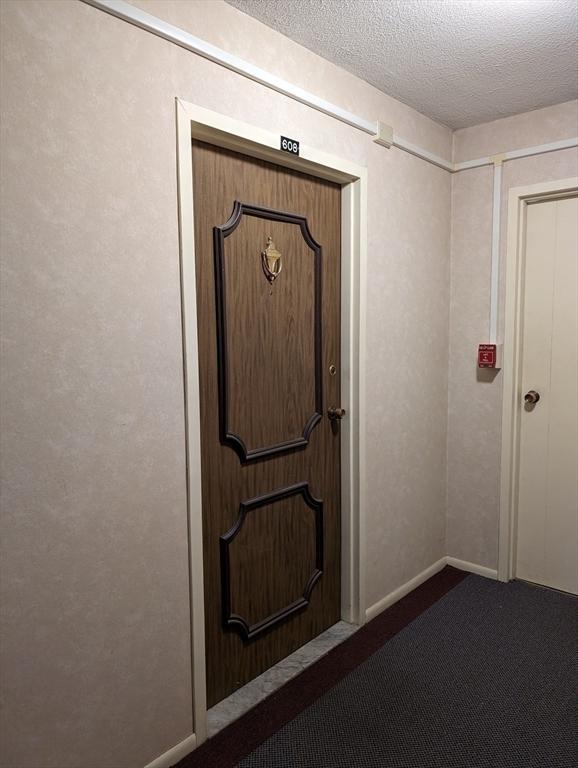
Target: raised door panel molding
{"points": [[269, 296], [250, 540]]}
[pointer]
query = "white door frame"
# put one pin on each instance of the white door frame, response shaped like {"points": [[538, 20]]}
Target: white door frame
{"points": [[519, 198], [200, 123]]}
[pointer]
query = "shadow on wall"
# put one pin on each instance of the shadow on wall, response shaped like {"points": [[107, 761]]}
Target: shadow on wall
{"points": [[487, 375]]}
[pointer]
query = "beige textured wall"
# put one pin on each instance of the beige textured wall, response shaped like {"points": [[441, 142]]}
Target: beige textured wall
{"points": [[475, 401], [96, 668]]}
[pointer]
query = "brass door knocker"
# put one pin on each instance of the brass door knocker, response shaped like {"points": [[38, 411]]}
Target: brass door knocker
{"points": [[271, 261]]}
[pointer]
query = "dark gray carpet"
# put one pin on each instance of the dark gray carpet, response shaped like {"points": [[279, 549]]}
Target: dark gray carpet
{"points": [[485, 678]]}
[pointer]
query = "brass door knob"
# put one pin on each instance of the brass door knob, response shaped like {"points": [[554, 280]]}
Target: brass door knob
{"points": [[531, 397], [336, 413]]}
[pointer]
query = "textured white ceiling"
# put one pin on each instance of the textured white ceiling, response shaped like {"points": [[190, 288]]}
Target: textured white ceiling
{"points": [[461, 62]]}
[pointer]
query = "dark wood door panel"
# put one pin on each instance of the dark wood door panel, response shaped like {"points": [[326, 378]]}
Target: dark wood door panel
{"points": [[279, 534], [257, 332], [261, 566]]}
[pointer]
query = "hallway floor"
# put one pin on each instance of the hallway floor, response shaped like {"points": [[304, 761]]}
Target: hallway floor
{"points": [[463, 671]]}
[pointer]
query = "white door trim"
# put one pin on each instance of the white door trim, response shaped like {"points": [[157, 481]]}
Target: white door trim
{"points": [[197, 122], [519, 198]]}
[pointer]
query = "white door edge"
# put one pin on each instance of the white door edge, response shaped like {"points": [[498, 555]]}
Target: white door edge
{"points": [[519, 197], [196, 122]]}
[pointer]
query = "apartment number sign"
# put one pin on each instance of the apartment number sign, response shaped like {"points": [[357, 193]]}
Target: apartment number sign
{"points": [[289, 145]]}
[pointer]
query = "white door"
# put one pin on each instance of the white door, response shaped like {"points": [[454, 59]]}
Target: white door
{"points": [[547, 540]]}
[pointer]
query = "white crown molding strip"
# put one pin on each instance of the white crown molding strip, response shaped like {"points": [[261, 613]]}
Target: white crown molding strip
{"points": [[516, 154], [150, 23], [423, 154], [553, 146], [157, 26]]}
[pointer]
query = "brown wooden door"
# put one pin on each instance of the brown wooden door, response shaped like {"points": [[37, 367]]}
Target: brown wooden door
{"points": [[267, 245]]}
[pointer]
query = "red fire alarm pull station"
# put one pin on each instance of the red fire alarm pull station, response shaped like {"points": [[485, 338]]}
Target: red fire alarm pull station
{"points": [[488, 356]]}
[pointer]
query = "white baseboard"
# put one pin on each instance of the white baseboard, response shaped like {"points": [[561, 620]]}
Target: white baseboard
{"points": [[397, 594], [463, 565], [174, 754], [402, 591]]}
